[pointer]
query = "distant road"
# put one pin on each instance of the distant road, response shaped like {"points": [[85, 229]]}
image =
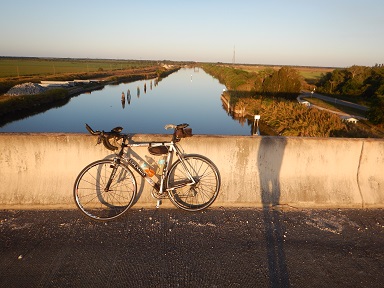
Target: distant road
{"points": [[335, 101]]}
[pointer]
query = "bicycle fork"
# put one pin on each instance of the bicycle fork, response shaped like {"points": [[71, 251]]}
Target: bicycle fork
{"points": [[113, 174]]}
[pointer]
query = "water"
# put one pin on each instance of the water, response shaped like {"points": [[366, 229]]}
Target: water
{"points": [[187, 96]]}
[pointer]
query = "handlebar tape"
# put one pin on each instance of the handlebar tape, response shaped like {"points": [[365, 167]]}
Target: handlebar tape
{"points": [[90, 130], [108, 145]]}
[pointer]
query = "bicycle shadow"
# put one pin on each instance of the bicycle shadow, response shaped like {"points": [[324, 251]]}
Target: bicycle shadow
{"points": [[270, 155], [139, 181], [138, 159]]}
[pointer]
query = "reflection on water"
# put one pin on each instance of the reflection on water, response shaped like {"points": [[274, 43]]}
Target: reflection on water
{"points": [[123, 100], [187, 96], [129, 96], [256, 126]]}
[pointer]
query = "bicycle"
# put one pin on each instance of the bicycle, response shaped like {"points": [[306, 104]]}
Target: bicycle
{"points": [[107, 188]]}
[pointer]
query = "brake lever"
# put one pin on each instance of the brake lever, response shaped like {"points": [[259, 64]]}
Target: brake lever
{"points": [[100, 138]]}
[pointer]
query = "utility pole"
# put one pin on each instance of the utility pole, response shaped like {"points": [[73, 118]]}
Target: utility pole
{"points": [[234, 55]]}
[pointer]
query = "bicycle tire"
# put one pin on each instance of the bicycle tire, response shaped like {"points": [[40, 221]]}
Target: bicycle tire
{"points": [[200, 195], [91, 196]]}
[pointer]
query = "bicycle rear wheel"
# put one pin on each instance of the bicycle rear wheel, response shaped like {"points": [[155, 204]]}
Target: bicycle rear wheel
{"points": [[198, 196], [104, 190]]}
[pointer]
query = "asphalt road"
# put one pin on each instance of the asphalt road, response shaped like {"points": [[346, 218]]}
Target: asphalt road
{"points": [[336, 101], [341, 102], [214, 248]]}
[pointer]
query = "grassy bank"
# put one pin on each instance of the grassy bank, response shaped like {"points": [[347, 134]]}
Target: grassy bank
{"points": [[14, 71], [13, 104]]}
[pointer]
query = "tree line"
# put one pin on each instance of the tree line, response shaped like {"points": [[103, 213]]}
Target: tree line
{"points": [[284, 83], [359, 84]]}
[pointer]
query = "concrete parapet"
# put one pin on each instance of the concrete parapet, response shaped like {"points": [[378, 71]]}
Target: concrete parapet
{"points": [[38, 170]]}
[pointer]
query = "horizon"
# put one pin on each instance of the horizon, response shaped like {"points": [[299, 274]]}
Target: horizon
{"points": [[277, 33], [165, 60]]}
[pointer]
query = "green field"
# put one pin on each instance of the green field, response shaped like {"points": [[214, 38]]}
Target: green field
{"points": [[311, 73], [19, 67]]}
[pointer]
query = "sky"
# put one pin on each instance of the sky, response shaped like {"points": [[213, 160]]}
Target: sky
{"points": [[325, 33]]}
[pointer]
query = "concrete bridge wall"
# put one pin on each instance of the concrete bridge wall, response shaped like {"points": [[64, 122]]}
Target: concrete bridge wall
{"points": [[38, 170]]}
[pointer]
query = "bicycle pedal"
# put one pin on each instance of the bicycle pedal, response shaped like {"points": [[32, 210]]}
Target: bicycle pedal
{"points": [[158, 203]]}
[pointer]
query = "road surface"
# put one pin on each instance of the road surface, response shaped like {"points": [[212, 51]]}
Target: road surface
{"points": [[215, 248]]}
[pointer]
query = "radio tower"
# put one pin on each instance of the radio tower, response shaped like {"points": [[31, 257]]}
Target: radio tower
{"points": [[234, 55]]}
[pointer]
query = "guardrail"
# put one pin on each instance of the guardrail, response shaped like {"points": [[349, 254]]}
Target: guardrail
{"points": [[38, 170]]}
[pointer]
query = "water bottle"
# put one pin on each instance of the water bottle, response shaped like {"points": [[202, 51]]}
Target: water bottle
{"points": [[147, 169], [161, 165]]}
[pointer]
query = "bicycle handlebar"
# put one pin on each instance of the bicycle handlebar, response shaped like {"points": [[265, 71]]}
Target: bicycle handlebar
{"points": [[90, 130], [104, 137]]}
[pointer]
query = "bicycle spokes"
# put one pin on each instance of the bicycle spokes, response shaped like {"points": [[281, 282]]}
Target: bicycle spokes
{"points": [[104, 190], [193, 183]]}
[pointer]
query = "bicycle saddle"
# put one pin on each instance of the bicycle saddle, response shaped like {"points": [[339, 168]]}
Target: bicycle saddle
{"points": [[172, 126]]}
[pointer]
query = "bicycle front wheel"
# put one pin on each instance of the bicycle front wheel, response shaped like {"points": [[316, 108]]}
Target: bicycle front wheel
{"points": [[198, 196], [104, 190]]}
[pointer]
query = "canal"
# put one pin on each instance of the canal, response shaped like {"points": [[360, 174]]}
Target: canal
{"points": [[187, 96]]}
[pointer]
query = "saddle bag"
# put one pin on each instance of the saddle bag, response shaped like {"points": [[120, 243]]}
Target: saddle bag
{"points": [[183, 133]]}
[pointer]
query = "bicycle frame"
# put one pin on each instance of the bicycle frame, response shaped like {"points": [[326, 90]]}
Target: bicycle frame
{"points": [[172, 147]]}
